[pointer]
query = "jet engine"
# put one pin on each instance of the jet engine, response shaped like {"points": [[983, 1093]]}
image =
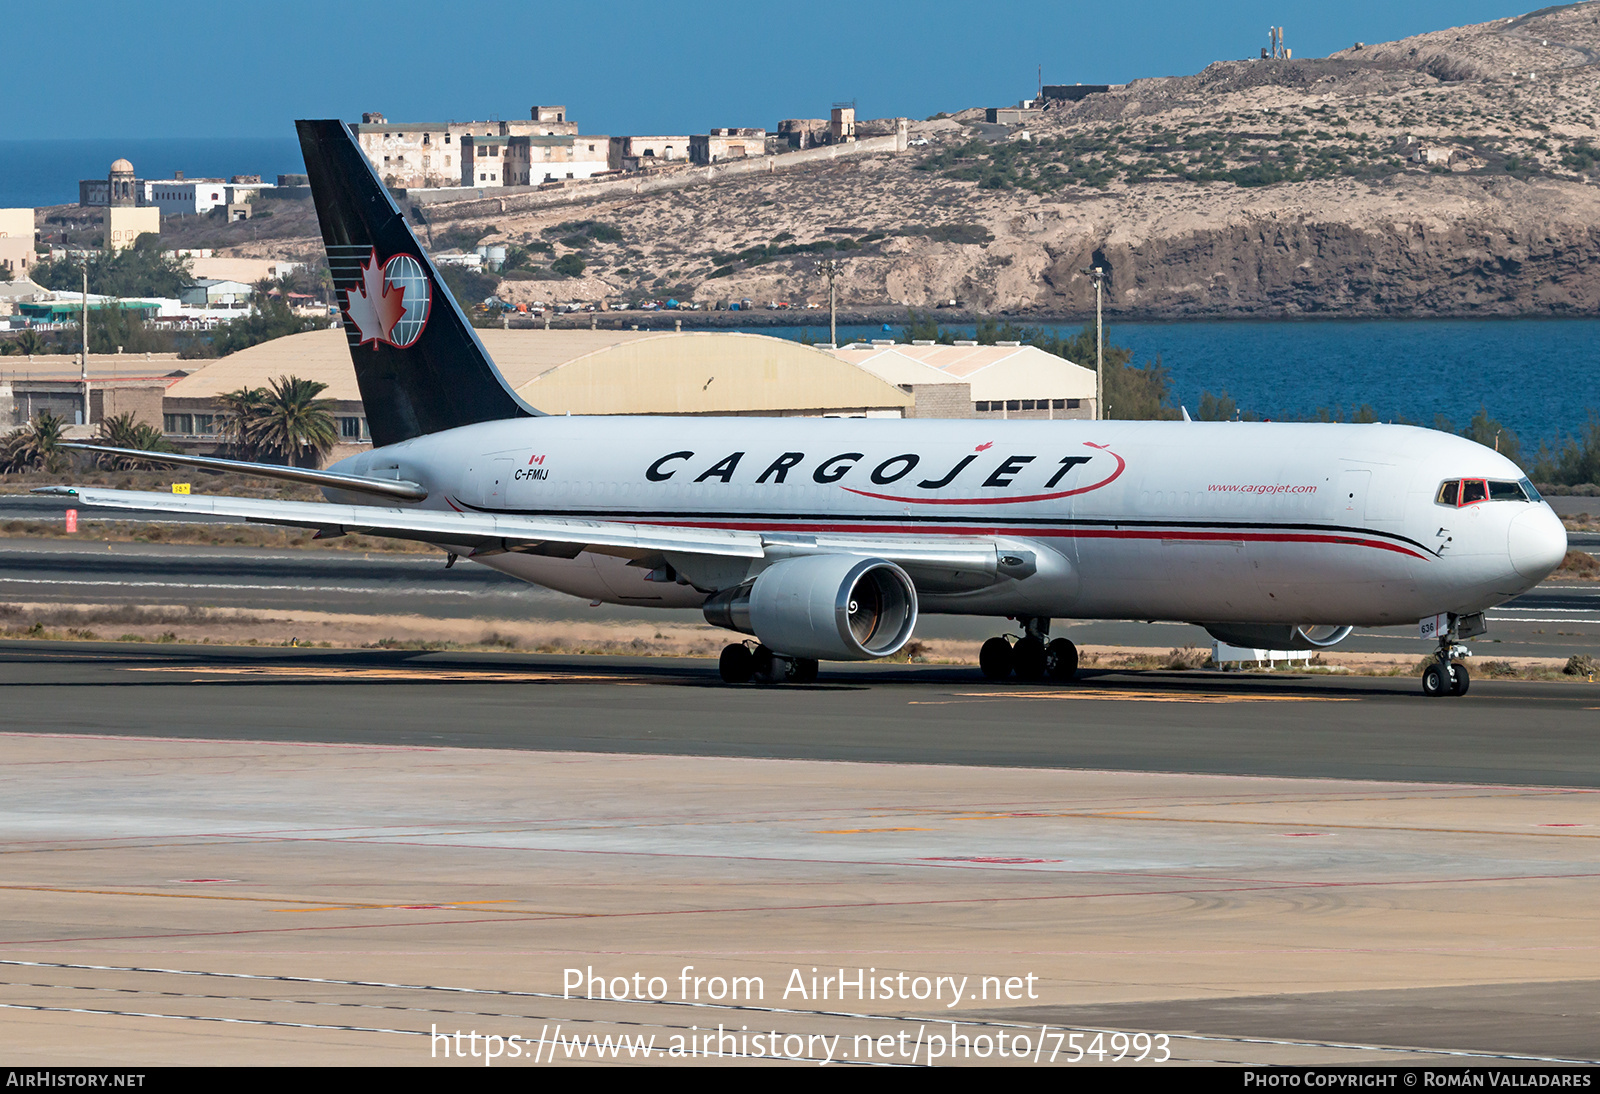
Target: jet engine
{"points": [[1278, 636], [828, 607]]}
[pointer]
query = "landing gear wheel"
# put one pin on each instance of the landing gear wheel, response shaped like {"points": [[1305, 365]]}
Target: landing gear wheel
{"points": [[737, 664], [995, 659], [1459, 680], [766, 667], [1061, 660], [1028, 657], [1435, 682], [803, 670]]}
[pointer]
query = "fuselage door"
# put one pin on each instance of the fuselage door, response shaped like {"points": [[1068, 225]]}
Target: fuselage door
{"points": [[487, 480], [1350, 503]]}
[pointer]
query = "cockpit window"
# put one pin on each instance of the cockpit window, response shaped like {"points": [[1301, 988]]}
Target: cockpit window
{"points": [[1462, 492]]}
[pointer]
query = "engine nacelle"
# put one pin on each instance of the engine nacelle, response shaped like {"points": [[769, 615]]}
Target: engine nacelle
{"points": [[1278, 636], [830, 607]]}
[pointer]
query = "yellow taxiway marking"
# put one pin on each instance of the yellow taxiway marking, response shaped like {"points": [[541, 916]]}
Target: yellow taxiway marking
{"points": [[376, 674], [360, 906], [1139, 697]]}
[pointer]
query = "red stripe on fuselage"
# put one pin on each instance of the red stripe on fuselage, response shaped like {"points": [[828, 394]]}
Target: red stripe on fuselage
{"points": [[1041, 533]]}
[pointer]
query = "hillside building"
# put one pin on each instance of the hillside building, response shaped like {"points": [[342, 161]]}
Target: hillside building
{"points": [[124, 226], [425, 155], [800, 133], [16, 244], [177, 196], [528, 160], [642, 153], [721, 145], [842, 123]]}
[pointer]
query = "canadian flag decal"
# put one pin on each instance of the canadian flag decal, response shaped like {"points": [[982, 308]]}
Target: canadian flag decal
{"points": [[390, 303]]}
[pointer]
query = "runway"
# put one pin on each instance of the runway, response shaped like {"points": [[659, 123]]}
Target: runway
{"points": [[1284, 725], [1550, 621]]}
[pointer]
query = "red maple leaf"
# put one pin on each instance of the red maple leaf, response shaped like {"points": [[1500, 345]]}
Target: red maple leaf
{"points": [[986, 445], [374, 305]]}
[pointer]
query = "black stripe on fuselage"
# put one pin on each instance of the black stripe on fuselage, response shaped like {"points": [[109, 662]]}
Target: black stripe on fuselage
{"points": [[1042, 523]]}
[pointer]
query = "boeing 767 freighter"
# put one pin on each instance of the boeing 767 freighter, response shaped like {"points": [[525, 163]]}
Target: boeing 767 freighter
{"points": [[826, 538]]}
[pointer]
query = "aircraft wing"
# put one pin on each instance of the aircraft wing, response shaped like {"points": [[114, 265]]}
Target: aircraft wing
{"points": [[483, 533], [946, 564]]}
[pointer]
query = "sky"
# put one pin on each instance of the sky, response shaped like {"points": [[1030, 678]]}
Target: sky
{"points": [[161, 69]]}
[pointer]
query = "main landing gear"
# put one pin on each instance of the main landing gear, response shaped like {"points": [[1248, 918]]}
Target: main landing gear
{"points": [[740, 664], [1032, 658], [1447, 676]]}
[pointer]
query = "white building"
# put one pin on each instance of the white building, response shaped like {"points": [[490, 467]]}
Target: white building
{"points": [[209, 292], [413, 155], [16, 244], [194, 197], [510, 160]]}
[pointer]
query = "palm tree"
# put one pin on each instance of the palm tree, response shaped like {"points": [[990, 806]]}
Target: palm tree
{"points": [[11, 451], [26, 343], [293, 424], [124, 431], [36, 444], [235, 423]]}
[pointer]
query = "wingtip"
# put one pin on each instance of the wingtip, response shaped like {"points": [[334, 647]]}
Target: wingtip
{"points": [[63, 491]]}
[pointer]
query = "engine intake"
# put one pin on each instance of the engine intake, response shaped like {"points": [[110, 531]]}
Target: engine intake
{"points": [[1278, 636], [830, 607]]}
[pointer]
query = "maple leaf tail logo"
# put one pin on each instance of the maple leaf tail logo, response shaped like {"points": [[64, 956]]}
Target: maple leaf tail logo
{"points": [[374, 305]]}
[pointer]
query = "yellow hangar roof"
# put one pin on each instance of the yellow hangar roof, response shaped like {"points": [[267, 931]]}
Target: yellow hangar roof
{"points": [[601, 372]]}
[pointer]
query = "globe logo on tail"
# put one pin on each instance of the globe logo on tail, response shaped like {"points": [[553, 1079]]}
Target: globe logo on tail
{"points": [[390, 303]]}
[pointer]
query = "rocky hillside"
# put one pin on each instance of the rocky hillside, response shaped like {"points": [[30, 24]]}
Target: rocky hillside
{"points": [[1454, 173]]}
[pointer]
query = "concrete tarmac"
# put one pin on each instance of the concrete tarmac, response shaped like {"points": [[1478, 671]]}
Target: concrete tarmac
{"points": [[236, 900]]}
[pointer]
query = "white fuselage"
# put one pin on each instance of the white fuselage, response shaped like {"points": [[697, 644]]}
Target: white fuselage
{"points": [[1209, 522]]}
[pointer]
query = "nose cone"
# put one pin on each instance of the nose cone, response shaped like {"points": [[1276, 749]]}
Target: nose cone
{"points": [[1537, 542]]}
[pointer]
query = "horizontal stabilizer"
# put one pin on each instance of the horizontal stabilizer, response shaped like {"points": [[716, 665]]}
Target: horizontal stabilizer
{"points": [[395, 489]]}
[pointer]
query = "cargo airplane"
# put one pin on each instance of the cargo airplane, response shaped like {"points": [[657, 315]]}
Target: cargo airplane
{"points": [[825, 539]]}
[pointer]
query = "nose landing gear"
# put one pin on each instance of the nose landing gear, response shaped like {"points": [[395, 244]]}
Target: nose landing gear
{"points": [[1032, 658], [1448, 676]]}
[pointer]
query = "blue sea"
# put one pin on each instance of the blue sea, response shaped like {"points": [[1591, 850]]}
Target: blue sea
{"points": [[35, 173], [1539, 377]]}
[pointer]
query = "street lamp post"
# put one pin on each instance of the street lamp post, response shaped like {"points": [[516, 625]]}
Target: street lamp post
{"points": [[83, 372], [1097, 274], [830, 267]]}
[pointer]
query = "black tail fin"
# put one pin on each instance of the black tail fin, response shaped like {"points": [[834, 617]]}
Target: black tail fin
{"points": [[419, 364]]}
